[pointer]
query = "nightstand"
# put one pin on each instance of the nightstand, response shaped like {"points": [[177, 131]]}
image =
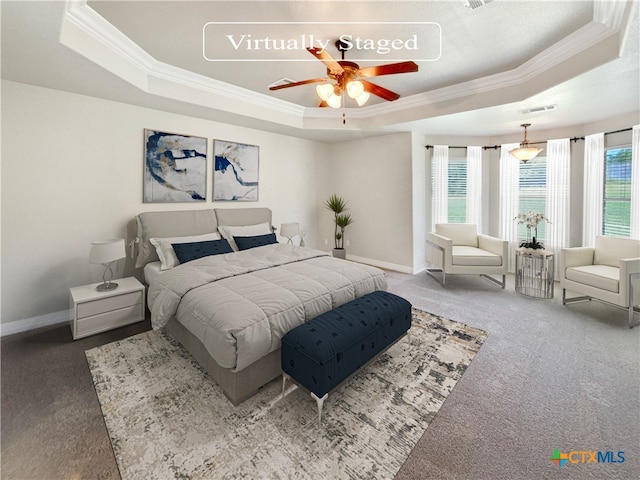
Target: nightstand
{"points": [[95, 312]]}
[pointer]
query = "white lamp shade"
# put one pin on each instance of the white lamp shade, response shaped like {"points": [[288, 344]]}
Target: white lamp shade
{"points": [[290, 230], [107, 251], [334, 101], [525, 153], [324, 91], [362, 98], [355, 88]]}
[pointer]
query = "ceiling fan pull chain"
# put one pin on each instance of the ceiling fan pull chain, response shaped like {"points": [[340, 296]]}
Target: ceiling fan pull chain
{"points": [[344, 119]]}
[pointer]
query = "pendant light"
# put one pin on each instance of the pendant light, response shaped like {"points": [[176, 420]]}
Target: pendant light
{"points": [[524, 152]]}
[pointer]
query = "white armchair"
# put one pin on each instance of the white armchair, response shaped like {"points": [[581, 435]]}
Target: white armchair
{"points": [[604, 272], [458, 248]]}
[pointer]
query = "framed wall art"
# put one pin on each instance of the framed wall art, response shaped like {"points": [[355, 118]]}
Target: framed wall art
{"points": [[235, 173], [175, 167]]}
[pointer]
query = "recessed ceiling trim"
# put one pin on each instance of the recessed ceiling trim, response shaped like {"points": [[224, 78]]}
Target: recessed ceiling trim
{"points": [[89, 34], [591, 36]]}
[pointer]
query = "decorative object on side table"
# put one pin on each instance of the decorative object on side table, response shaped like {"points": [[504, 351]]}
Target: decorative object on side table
{"points": [[531, 220], [96, 311], [290, 230], [342, 220], [302, 234], [105, 253]]}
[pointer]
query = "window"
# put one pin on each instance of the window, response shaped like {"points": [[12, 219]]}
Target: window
{"points": [[533, 192], [457, 191], [457, 186], [616, 214]]}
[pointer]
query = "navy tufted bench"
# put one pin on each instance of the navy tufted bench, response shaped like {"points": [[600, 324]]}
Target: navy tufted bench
{"points": [[322, 353]]}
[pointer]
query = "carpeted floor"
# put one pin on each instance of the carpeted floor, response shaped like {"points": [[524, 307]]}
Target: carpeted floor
{"points": [[548, 377], [168, 419]]}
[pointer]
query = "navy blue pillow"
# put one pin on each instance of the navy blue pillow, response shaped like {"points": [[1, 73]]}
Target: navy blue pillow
{"points": [[245, 243], [191, 251]]}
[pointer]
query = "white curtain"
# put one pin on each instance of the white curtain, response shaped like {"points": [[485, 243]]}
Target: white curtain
{"points": [[557, 201], [474, 186], [635, 183], [440, 169], [509, 199], [593, 196]]}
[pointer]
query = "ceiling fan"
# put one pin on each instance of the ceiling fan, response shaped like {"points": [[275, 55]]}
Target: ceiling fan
{"points": [[344, 76]]}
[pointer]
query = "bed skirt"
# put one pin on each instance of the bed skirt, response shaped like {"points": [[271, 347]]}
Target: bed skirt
{"points": [[237, 386]]}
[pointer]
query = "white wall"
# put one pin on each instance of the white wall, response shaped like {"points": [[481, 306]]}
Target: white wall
{"points": [[72, 170], [374, 175]]}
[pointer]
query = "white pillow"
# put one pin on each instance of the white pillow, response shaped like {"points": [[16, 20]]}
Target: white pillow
{"points": [[229, 232], [165, 251]]}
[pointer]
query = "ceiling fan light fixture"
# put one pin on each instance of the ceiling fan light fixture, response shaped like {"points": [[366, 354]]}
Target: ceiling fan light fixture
{"points": [[334, 101], [362, 98], [524, 152], [324, 91], [355, 88]]}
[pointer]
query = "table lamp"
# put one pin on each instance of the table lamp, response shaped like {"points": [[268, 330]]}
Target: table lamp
{"points": [[290, 230], [106, 252]]}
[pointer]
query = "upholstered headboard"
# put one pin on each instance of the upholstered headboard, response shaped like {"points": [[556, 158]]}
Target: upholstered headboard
{"points": [[243, 216], [170, 224], [177, 223]]}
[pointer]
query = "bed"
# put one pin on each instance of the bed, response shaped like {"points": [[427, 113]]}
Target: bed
{"points": [[230, 309]]}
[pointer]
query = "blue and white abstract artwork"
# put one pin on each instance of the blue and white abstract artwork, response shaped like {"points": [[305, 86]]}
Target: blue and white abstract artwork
{"points": [[235, 175], [175, 167]]}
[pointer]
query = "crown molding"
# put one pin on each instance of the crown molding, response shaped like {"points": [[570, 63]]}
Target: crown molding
{"points": [[589, 36], [86, 32], [89, 34]]}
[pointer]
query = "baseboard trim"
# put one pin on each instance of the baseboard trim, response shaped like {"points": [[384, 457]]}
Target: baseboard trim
{"points": [[377, 263], [63, 316]]}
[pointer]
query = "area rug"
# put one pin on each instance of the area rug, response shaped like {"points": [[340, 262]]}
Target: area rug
{"points": [[168, 419]]}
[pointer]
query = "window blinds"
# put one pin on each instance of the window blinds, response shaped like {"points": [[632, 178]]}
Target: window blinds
{"points": [[635, 183]]}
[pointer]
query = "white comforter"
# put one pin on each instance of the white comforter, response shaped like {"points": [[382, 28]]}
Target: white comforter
{"points": [[241, 304]]}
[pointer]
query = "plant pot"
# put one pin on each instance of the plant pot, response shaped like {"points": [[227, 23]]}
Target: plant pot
{"points": [[340, 253]]}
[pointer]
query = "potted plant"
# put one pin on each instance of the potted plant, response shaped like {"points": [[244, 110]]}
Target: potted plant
{"points": [[531, 220], [342, 220]]}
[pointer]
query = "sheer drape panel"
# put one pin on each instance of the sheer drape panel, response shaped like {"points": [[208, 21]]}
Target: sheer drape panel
{"points": [[474, 186], [440, 169], [635, 183], [592, 204], [557, 201], [509, 199]]}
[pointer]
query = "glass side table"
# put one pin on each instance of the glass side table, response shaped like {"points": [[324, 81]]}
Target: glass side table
{"points": [[535, 272]]}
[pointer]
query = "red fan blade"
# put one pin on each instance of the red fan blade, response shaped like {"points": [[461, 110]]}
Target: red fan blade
{"points": [[390, 69], [327, 59], [380, 91], [295, 84]]}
